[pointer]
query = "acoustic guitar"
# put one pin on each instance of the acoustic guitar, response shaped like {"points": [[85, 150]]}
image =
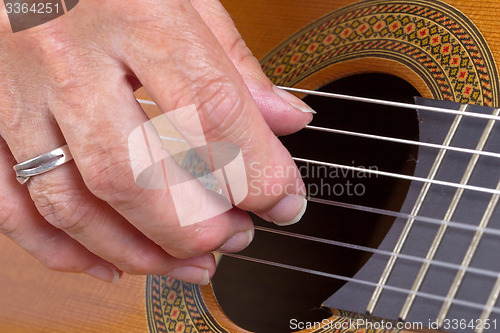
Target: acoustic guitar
{"points": [[402, 233]]}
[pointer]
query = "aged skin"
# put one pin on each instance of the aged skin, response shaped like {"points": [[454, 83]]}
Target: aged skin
{"points": [[71, 80]]}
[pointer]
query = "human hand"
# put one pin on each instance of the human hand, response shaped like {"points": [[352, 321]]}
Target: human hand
{"points": [[71, 81]]}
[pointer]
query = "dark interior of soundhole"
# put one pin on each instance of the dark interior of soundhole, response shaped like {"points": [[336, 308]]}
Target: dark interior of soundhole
{"points": [[262, 298]]}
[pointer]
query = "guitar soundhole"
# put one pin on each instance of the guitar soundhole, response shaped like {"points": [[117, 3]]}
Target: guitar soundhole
{"points": [[264, 299]]}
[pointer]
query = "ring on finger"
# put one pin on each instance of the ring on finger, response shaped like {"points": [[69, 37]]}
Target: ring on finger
{"points": [[42, 163]]}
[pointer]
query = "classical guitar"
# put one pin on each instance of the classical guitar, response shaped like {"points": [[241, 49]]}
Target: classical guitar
{"points": [[403, 229]]}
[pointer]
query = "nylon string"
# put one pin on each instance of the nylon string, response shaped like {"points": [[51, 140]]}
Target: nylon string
{"points": [[483, 229]]}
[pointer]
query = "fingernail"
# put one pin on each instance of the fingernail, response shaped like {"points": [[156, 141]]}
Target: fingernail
{"points": [[104, 273], [288, 211], [293, 100], [238, 242], [190, 274]]}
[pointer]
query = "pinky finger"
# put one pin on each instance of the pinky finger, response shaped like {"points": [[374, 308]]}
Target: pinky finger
{"points": [[21, 222]]}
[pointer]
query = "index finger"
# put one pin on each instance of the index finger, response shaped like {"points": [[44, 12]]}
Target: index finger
{"points": [[193, 68]]}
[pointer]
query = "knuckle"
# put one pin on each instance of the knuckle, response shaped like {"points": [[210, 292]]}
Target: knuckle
{"points": [[109, 177], [240, 51], [60, 206], [222, 109], [67, 64], [59, 55]]}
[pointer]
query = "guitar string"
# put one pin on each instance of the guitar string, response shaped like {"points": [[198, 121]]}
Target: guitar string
{"points": [[453, 224], [404, 141], [425, 266], [471, 251], [415, 211], [461, 273], [436, 243], [492, 300], [385, 212], [464, 303], [495, 292], [423, 219], [461, 269], [395, 175], [486, 309], [474, 245], [391, 103], [473, 270], [400, 176]]}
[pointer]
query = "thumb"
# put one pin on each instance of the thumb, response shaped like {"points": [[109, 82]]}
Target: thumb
{"points": [[283, 112]]}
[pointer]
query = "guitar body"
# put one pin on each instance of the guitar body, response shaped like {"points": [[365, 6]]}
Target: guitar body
{"points": [[446, 50]]}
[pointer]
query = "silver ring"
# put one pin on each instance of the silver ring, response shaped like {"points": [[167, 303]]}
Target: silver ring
{"points": [[42, 163]]}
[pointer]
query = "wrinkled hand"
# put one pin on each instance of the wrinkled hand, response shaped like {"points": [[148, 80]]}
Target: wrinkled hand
{"points": [[71, 81]]}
